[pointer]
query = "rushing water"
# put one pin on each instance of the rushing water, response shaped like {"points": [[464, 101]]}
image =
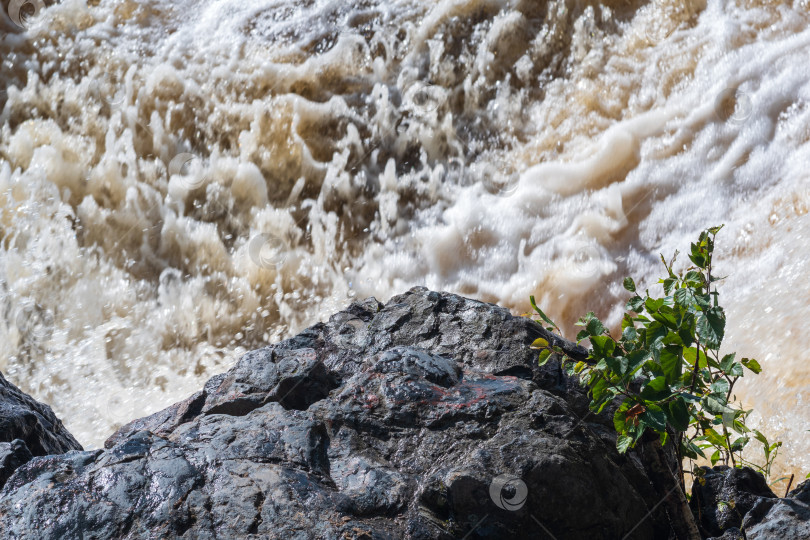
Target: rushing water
{"points": [[183, 181]]}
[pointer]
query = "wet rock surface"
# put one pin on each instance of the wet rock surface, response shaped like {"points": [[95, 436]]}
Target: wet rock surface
{"points": [[725, 495], [424, 418], [734, 504], [787, 519], [27, 428]]}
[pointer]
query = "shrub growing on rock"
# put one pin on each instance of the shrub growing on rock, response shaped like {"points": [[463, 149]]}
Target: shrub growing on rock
{"points": [[665, 370]]}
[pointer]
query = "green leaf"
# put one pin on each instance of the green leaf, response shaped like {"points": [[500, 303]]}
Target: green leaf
{"points": [[629, 284], [672, 363], [699, 255], [715, 438], [620, 416], [694, 450], [720, 387], [739, 444], [703, 301], [715, 230], [540, 312], [630, 334], [716, 406], [711, 326], [627, 321], [669, 283], [583, 321], [543, 357], [654, 417], [684, 297], [727, 362], [687, 329], [667, 316], [752, 364], [678, 414], [582, 334], [539, 343], [694, 279], [672, 339], [635, 304], [715, 457], [599, 391], [653, 304], [623, 443], [603, 346], [656, 332], [656, 390], [689, 356], [595, 327], [618, 365]]}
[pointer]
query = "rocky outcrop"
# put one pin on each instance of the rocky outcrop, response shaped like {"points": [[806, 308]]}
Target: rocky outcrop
{"points": [[722, 496], [27, 428], [733, 504], [12, 456], [425, 418], [786, 519]]}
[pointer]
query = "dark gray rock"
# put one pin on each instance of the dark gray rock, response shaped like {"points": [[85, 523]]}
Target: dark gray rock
{"points": [[12, 456], [22, 417], [730, 534], [723, 495], [27, 428], [786, 519], [801, 492], [425, 418]]}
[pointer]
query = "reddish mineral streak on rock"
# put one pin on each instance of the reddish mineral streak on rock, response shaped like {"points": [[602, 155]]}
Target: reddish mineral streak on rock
{"points": [[483, 387]]}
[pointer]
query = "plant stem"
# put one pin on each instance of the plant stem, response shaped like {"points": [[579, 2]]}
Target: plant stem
{"points": [[666, 485]]}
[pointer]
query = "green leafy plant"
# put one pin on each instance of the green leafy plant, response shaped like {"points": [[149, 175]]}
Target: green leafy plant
{"points": [[665, 370]]}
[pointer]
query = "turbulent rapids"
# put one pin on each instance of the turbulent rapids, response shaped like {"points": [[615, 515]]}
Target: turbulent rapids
{"points": [[181, 182]]}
